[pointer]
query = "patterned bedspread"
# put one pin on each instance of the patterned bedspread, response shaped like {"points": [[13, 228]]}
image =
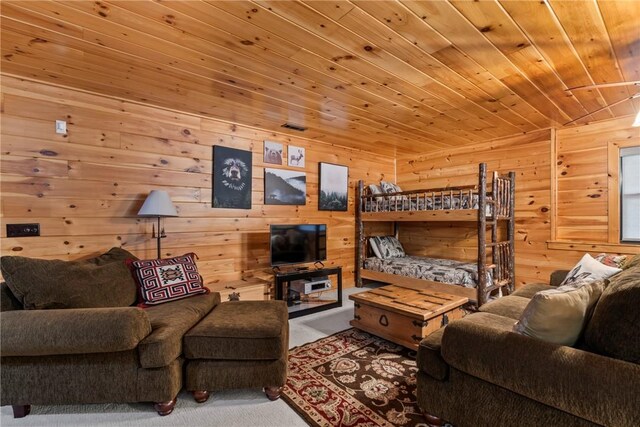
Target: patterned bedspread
{"points": [[404, 203], [434, 269]]}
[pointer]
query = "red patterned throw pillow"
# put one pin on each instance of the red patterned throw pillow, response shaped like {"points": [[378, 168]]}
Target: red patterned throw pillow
{"points": [[170, 279]]}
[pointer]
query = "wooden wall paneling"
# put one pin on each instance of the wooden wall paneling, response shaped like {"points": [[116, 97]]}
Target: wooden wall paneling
{"points": [[553, 185], [90, 183], [585, 158]]}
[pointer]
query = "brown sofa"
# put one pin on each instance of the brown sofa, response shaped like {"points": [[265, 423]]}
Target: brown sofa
{"points": [[477, 372], [82, 340]]}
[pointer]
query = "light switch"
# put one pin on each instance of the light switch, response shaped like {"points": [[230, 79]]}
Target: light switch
{"points": [[61, 126]]}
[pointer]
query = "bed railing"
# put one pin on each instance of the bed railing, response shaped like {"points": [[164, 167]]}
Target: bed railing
{"points": [[434, 199]]}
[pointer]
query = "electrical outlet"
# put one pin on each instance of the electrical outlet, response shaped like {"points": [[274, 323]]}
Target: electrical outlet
{"points": [[61, 126], [23, 230]]}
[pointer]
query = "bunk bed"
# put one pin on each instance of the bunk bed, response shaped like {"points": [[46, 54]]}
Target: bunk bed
{"points": [[488, 205]]}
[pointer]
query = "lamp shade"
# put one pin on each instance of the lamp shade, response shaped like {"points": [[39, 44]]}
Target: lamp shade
{"points": [[158, 203]]}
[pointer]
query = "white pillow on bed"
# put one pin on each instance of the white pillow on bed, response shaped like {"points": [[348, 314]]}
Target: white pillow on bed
{"points": [[389, 187], [385, 247]]}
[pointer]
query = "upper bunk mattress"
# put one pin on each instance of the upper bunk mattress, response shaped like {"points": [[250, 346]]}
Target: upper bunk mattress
{"points": [[434, 269]]}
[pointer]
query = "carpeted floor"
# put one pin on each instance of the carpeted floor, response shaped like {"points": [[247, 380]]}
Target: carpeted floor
{"points": [[238, 408], [356, 379]]}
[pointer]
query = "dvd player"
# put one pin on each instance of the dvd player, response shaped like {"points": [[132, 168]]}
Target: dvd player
{"points": [[309, 286]]}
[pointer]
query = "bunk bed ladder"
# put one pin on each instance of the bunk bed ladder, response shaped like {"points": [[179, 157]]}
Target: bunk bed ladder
{"points": [[511, 224], [482, 234], [502, 252], [360, 240]]}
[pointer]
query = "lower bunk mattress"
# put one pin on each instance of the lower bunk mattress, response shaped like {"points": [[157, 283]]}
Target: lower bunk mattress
{"points": [[434, 269]]}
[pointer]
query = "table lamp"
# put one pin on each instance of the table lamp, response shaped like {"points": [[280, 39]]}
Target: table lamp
{"points": [[158, 204]]}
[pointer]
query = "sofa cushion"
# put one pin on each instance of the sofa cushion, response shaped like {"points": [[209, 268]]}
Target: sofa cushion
{"points": [[72, 331], [103, 281], [169, 323], [528, 291], [559, 315], [240, 330], [511, 306], [8, 302], [170, 279], [613, 329], [588, 269], [429, 359]]}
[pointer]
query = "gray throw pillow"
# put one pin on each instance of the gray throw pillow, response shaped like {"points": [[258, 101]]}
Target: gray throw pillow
{"points": [[103, 281]]}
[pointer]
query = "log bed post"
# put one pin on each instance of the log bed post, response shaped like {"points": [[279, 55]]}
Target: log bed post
{"points": [[511, 231], [359, 234], [482, 234]]}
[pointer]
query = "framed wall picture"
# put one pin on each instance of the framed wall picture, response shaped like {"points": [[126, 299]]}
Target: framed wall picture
{"points": [[284, 187], [296, 156], [232, 171], [334, 187], [272, 152]]}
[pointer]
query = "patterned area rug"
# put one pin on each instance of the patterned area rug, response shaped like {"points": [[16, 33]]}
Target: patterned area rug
{"points": [[353, 379]]}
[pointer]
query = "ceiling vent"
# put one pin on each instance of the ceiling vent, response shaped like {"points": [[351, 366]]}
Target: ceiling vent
{"points": [[294, 127]]}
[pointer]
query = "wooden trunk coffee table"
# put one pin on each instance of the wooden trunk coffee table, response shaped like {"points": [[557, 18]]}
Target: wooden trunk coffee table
{"points": [[404, 315]]}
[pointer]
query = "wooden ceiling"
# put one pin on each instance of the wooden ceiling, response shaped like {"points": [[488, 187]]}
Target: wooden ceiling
{"points": [[415, 75]]}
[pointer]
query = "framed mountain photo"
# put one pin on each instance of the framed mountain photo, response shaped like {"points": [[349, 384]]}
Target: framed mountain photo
{"points": [[284, 187], [334, 187]]}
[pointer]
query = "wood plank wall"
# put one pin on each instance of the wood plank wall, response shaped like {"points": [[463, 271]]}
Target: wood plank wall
{"points": [[85, 187], [530, 157], [583, 178]]}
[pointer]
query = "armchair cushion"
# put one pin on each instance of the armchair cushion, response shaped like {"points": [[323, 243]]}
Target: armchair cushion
{"points": [[103, 281], [613, 329], [594, 387], [169, 323], [72, 331], [430, 359]]}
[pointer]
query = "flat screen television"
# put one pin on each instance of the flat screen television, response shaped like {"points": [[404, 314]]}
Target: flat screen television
{"points": [[298, 243]]}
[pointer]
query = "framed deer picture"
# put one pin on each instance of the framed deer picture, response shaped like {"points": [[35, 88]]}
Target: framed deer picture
{"points": [[296, 156]]}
